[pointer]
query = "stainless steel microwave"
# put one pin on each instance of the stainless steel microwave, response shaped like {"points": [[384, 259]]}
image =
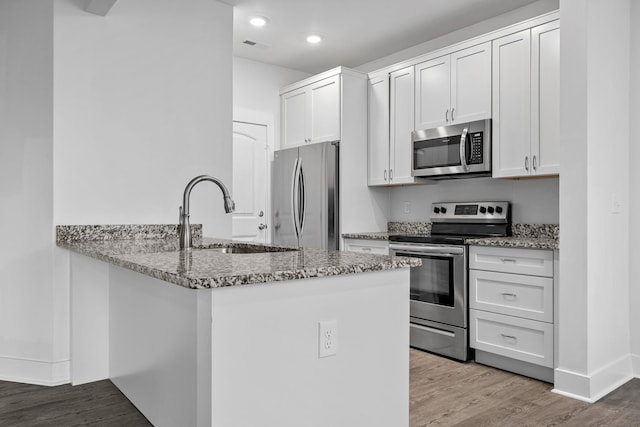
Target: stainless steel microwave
{"points": [[455, 151]]}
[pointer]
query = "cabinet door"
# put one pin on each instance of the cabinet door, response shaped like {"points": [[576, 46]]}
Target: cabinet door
{"points": [[545, 99], [294, 113], [511, 105], [378, 143], [433, 96], [324, 117], [401, 125], [471, 84]]}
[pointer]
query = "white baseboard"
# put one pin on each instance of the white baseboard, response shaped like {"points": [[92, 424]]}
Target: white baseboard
{"points": [[590, 388], [635, 362], [34, 371]]}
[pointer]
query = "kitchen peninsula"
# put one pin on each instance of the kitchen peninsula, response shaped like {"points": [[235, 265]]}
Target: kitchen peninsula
{"points": [[206, 337]]}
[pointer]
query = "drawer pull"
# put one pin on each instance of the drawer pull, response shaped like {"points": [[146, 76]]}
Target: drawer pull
{"points": [[366, 249], [509, 296], [508, 260], [510, 339]]}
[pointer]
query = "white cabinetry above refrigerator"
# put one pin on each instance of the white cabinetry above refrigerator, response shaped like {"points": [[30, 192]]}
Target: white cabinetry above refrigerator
{"points": [[311, 113]]}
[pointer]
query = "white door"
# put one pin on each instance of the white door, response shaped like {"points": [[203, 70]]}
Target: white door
{"points": [[511, 105], [471, 84], [378, 155], [294, 113], [545, 99], [324, 110], [433, 96], [401, 118], [250, 182]]}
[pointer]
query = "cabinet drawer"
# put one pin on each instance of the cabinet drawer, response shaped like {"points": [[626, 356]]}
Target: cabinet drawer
{"points": [[529, 297], [366, 246], [522, 339], [534, 262]]}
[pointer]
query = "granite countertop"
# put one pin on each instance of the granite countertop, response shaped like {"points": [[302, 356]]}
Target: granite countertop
{"points": [[203, 268], [531, 236]]}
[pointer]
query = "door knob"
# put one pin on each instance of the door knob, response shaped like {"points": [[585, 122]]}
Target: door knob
{"points": [[262, 226]]}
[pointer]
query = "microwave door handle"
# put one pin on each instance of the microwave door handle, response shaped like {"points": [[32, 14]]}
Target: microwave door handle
{"points": [[463, 149]]}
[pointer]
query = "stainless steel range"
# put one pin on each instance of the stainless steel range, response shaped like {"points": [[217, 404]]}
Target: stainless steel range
{"points": [[439, 288]]}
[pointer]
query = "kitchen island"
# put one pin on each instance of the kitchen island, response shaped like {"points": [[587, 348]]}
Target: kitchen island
{"points": [[204, 337]]}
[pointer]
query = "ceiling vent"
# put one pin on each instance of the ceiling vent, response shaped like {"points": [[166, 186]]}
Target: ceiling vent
{"points": [[249, 42]]}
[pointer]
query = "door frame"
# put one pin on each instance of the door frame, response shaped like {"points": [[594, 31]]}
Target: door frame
{"points": [[266, 119]]}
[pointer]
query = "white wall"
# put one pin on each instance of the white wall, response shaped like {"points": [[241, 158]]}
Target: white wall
{"points": [[634, 191], [594, 353], [143, 103], [534, 201], [26, 213], [531, 10]]}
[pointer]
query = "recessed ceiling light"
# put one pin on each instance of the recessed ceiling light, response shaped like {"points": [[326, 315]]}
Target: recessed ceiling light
{"points": [[314, 39], [258, 21]]}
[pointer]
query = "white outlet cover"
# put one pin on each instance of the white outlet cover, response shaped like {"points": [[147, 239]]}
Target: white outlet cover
{"points": [[327, 338]]}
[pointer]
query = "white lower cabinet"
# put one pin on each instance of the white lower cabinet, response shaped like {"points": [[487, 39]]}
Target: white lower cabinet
{"points": [[511, 309], [367, 246]]}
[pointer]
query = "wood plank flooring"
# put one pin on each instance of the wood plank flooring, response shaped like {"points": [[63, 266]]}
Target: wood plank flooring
{"points": [[442, 393]]}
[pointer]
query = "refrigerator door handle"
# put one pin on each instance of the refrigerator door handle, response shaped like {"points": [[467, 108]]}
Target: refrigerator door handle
{"points": [[294, 197], [302, 199]]}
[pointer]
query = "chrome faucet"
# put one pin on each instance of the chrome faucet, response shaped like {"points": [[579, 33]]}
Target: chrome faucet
{"points": [[185, 228]]}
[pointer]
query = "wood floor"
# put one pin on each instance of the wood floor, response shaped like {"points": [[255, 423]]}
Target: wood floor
{"points": [[443, 393]]}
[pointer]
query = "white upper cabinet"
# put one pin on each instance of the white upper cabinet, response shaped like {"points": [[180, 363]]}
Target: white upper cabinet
{"points": [[454, 88], [391, 114], [526, 78], [378, 141], [311, 113], [545, 97]]}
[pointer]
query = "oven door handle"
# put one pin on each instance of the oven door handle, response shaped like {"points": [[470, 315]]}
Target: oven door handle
{"points": [[427, 250], [440, 254]]}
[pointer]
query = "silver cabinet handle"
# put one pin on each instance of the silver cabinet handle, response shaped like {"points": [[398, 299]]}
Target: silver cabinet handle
{"points": [[510, 337], [262, 226], [509, 296], [526, 163], [446, 116], [452, 110], [508, 260], [390, 174], [535, 163], [385, 174], [365, 249]]}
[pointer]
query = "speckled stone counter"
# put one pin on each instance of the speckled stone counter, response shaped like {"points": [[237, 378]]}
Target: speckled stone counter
{"points": [[203, 267], [533, 236]]}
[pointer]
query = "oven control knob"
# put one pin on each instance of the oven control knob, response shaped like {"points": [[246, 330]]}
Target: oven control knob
{"points": [[490, 209], [483, 209], [443, 210], [499, 209], [436, 210]]}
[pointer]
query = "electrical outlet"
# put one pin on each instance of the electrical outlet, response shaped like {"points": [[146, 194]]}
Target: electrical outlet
{"points": [[327, 338], [407, 207]]}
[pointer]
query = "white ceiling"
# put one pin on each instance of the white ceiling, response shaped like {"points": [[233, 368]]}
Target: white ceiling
{"points": [[355, 31]]}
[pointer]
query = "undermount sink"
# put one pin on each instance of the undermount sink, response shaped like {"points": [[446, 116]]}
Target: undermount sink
{"points": [[247, 249]]}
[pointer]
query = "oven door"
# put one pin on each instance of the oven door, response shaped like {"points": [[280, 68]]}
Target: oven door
{"points": [[439, 286]]}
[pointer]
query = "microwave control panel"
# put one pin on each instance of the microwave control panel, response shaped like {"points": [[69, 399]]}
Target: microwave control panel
{"points": [[476, 155]]}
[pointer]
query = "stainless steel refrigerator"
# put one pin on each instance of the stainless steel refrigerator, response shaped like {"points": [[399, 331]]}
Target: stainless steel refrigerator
{"points": [[304, 191]]}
